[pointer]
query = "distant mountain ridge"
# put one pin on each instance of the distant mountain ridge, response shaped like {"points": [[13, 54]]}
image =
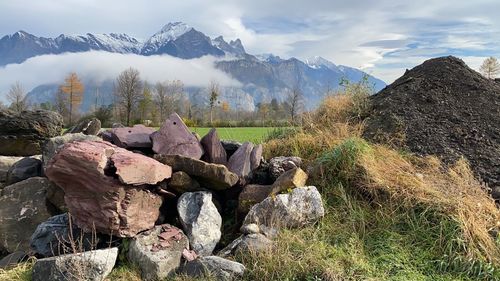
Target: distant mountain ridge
{"points": [[264, 77]]}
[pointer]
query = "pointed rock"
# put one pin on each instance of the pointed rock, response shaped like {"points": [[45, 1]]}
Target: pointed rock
{"points": [[174, 138], [239, 163], [214, 151], [255, 157]]}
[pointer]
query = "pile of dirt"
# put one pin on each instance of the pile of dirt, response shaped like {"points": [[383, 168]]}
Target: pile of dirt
{"points": [[443, 108]]}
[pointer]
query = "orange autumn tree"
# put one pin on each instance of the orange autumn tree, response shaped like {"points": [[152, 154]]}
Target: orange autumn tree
{"points": [[73, 87]]}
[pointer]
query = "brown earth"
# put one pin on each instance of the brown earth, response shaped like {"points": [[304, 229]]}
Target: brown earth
{"points": [[443, 108]]}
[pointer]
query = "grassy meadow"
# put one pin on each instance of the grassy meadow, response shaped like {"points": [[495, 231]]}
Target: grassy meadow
{"points": [[240, 134], [390, 215]]}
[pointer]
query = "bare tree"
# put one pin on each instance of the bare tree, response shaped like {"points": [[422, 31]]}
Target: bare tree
{"points": [[17, 97], [295, 103], [167, 97], [128, 91], [62, 104], [490, 68], [213, 92]]}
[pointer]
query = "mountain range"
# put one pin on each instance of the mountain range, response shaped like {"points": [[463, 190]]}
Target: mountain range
{"points": [[263, 77]]}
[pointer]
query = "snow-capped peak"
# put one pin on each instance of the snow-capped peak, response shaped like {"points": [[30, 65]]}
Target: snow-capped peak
{"points": [[318, 62], [170, 31]]}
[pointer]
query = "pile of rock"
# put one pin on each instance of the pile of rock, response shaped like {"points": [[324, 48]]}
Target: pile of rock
{"points": [[163, 191]]}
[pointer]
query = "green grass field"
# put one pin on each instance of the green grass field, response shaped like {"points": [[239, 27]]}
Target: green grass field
{"points": [[240, 134]]}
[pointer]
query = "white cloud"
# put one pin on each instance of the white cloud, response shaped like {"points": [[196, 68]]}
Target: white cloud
{"points": [[334, 29], [100, 66]]}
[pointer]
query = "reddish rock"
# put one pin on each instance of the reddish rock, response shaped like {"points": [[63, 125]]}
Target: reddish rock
{"points": [[137, 136], [251, 195], [255, 157], [239, 163], [137, 169], [214, 151], [174, 138], [95, 194]]}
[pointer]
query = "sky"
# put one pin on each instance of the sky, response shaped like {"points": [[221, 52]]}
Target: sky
{"points": [[381, 37]]}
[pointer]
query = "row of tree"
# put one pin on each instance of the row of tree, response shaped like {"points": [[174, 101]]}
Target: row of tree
{"points": [[136, 101]]}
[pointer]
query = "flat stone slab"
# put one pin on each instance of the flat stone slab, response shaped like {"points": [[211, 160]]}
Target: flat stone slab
{"points": [[137, 136], [92, 266], [211, 176], [215, 267]]}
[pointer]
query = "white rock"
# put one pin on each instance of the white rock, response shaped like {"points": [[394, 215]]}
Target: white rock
{"points": [[91, 266], [201, 221], [300, 207]]}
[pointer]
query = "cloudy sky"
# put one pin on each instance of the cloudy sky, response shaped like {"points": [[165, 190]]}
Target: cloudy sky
{"points": [[382, 37]]}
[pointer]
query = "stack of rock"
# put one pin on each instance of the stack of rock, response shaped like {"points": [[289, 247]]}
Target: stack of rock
{"points": [[122, 184]]}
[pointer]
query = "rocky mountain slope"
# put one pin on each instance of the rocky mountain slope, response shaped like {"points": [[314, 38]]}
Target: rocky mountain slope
{"points": [[444, 108], [263, 77]]}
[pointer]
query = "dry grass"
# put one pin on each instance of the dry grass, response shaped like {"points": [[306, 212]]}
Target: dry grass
{"points": [[327, 127], [21, 272], [454, 191]]}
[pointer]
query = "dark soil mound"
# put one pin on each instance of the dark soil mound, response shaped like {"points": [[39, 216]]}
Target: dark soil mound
{"points": [[442, 107]]}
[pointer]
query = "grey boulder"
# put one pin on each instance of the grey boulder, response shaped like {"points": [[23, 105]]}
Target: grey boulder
{"points": [[12, 259], [214, 267], [201, 221], [5, 163], [302, 206], [25, 168], [88, 126], [279, 165], [22, 208], [23, 134], [158, 252], [59, 236], [91, 266]]}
